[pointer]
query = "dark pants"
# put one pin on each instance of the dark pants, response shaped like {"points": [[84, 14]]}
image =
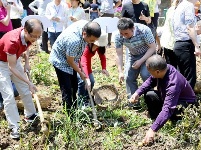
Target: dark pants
{"points": [[45, 41], [109, 34], [155, 20], [93, 15], [170, 57], [155, 104], [16, 23], [53, 36], [68, 85], [186, 61], [2, 34], [29, 11]]}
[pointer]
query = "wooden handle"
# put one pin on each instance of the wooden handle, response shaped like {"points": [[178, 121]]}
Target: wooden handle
{"points": [[39, 108], [37, 100]]}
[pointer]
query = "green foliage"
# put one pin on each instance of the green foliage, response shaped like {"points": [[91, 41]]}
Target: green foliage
{"points": [[42, 71], [188, 130], [71, 130]]}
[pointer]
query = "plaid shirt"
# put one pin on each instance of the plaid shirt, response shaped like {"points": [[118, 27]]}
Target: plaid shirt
{"points": [[71, 43], [184, 15], [138, 43]]}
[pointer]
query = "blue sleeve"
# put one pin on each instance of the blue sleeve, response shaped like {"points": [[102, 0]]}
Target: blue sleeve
{"points": [[118, 41], [189, 15], [149, 38]]}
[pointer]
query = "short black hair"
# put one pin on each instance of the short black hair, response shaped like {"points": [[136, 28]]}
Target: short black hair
{"points": [[125, 23], [92, 29], [156, 62], [30, 24], [101, 49]]}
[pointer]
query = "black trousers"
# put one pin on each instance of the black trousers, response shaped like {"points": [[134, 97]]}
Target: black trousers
{"points": [[45, 42], [2, 34], [186, 61], [155, 104], [109, 34], [68, 86], [16, 23], [155, 20], [170, 57]]}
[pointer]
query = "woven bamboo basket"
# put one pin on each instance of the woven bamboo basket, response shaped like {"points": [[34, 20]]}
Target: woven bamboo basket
{"points": [[106, 96]]}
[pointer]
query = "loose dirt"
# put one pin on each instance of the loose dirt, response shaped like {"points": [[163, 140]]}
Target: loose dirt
{"points": [[32, 132]]}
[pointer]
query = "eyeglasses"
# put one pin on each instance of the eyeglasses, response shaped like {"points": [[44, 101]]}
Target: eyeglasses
{"points": [[34, 37]]}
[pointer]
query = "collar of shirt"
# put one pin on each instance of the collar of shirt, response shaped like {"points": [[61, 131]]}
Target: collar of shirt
{"points": [[135, 30], [134, 33], [23, 38]]}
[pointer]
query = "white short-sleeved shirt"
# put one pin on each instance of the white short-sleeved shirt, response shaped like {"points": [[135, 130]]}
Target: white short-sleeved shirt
{"points": [[183, 16]]}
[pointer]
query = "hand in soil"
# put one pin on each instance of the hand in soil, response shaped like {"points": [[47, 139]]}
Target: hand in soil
{"points": [[149, 138], [134, 98], [121, 78]]}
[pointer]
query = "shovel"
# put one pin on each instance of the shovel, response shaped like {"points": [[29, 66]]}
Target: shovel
{"points": [[96, 123], [44, 124]]}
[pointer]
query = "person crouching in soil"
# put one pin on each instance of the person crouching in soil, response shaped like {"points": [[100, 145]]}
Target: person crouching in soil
{"points": [[172, 90]]}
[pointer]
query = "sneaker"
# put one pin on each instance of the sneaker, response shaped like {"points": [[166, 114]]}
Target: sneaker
{"points": [[137, 106], [108, 45], [15, 134], [32, 118], [85, 106]]}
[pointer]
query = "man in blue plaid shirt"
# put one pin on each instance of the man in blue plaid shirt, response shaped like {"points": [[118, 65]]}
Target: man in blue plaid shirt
{"points": [[65, 54], [139, 39]]}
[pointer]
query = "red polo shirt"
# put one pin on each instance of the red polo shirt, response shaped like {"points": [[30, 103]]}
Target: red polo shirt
{"points": [[86, 60], [13, 43]]}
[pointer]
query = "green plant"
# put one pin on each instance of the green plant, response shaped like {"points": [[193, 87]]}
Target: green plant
{"points": [[42, 71]]}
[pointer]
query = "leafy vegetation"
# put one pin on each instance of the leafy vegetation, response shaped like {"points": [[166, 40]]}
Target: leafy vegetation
{"points": [[121, 128]]}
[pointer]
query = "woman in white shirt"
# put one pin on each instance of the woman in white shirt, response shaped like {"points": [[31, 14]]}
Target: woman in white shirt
{"points": [[56, 13], [75, 13], [16, 12]]}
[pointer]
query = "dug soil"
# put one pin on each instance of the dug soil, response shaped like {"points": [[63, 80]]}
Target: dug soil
{"points": [[29, 131]]}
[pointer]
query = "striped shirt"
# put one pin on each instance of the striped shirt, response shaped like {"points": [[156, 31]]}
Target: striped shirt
{"points": [[138, 43], [70, 42]]}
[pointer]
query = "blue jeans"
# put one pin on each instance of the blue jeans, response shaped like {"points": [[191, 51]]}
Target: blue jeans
{"points": [[14, 90], [94, 15], [82, 92], [131, 74], [53, 36]]}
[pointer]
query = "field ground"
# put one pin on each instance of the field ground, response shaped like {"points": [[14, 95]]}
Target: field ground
{"points": [[122, 128]]}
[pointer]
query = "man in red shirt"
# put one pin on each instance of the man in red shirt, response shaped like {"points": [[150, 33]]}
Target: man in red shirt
{"points": [[12, 45]]}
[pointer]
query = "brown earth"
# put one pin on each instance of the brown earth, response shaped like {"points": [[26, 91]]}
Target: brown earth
{"points": [[32, 132]]}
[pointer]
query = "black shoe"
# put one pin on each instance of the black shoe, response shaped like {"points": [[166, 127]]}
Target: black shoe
{"points": [[31, 118], [108, 45], [135, 106]]}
